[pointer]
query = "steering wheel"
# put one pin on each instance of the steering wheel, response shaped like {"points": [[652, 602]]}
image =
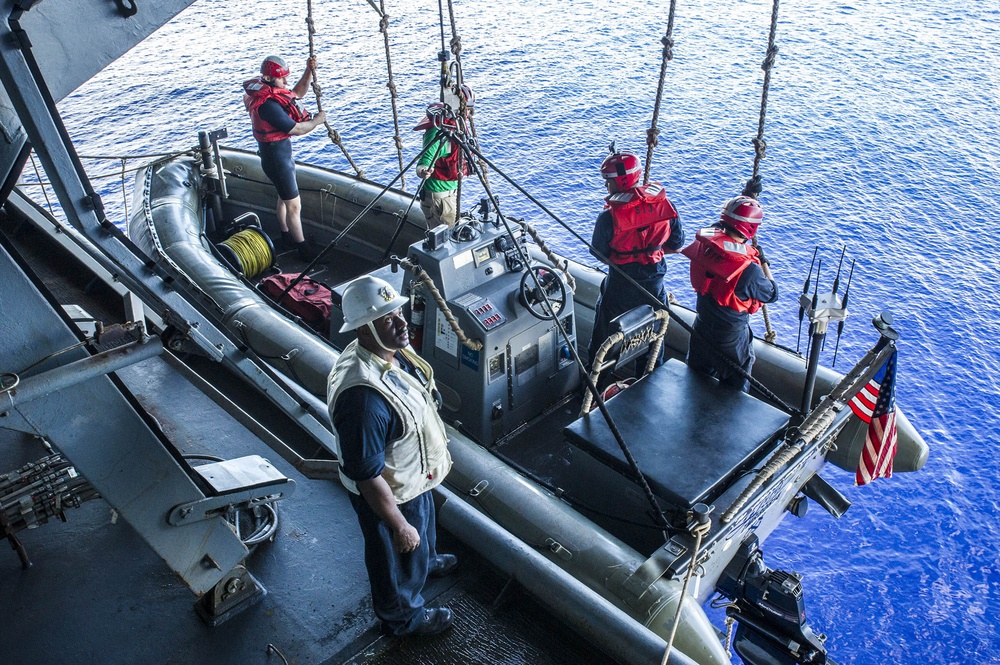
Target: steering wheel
{"points": [[537, 301]]}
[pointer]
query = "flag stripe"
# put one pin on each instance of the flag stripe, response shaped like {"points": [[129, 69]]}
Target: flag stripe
{"points": [[875, 404]]}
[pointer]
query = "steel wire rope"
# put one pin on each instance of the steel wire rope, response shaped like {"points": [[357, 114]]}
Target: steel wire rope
{"points": [[333, 243], [38, 176], [318, 91], [668, 54], [650, 299], [640, 479]]}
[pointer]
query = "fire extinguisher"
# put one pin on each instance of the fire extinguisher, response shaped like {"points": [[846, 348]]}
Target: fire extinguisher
{"points": [[417, 322]]}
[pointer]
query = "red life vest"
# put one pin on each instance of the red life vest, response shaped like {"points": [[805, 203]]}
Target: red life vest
{"points": [[641, 217], [446, 167], [257, 91], [717, 261]]}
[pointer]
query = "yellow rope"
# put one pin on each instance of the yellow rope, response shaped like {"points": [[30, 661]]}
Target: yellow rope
{"points": [[252, 250]]}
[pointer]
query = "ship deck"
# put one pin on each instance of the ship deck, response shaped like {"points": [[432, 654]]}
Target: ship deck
{"points": [[96, 593]]}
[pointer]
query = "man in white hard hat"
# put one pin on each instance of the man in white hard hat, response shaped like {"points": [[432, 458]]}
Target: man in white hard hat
{"points": [[393, 450]]}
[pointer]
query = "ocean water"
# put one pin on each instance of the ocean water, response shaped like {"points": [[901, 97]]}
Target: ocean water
{"points": [[882, 130]]}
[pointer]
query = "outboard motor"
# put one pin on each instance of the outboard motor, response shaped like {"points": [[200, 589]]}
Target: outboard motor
{"points": [[769, 607]]}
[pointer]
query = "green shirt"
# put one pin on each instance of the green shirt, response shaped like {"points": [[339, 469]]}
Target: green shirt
{"points": [[431, 155]]}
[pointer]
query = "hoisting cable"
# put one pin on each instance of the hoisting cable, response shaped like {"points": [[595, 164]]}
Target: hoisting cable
{"points": [[456, 49], [650, 299], [653, 132], [318, 91], [38, 176], [333, 243], [753, 186], [639, 478], [383, 27]]}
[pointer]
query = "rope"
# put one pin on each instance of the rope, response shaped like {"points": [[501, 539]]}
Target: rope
{"points": [[252, 250], [124, 193], [668, 54], [597, 364], [699, 531], [463, 109], [383, 26], [639, 478], [753, 186], [817, 422], [318, 91], [561, 266], [648, 297], [428, 283]]}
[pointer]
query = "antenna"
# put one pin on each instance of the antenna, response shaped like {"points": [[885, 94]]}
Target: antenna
{"points": [[805, 291], [840, 324]]}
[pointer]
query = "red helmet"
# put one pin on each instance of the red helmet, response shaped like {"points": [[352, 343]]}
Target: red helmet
{"points": [[743, 214], [470, 97], [622, 168], [274, 67]]}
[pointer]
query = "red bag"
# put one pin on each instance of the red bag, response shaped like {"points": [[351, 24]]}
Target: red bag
{"points": [[309, 300]]}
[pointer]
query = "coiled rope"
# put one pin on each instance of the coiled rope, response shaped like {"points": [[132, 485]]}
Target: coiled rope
{"points": [[653, 132], [318, 91], [428, 283], [252, 250]]}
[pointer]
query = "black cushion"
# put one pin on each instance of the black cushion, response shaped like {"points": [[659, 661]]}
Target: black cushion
{"points": [[689, 436]]}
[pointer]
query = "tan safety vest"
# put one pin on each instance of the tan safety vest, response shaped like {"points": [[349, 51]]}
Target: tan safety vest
{"points": [[419, 459]]}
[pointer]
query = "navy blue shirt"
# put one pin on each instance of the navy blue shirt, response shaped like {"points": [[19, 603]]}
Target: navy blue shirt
{"points": [[272, 113], [604, 230], [365, 423]]}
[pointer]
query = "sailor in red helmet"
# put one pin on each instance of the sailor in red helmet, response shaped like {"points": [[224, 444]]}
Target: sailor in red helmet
{"points": [[276, 115], [731, 283], [637, 229], [443, 162]]}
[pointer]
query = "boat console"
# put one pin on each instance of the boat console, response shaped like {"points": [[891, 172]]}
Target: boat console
{"points": [[525, 365]]}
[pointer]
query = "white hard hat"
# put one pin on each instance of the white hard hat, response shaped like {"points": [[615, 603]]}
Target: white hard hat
{"points": [[366, 299]]}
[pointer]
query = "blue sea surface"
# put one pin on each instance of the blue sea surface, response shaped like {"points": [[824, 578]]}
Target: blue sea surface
{"points": [[883, 134]]}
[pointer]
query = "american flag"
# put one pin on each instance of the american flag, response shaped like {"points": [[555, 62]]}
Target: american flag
{"points": [[876, 405]]}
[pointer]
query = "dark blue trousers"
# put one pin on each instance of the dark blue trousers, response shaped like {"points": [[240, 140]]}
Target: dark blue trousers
{"points": [[710, 340], [617, 297], [397, 580]]}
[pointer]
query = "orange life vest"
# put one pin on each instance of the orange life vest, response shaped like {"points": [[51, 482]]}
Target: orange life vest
{"points": [[717, 261], [257, 91], [641, 218]]}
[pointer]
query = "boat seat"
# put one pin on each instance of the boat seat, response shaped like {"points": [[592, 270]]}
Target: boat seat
{"points": [[690, 436]]}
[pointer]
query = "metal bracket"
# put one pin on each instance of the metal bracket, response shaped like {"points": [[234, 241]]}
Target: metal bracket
{"points": [[234, 482], [237, 591], [653, 568]]}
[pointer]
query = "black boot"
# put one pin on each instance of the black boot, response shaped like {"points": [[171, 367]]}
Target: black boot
{"points": [[286, 240], [306, 252]]}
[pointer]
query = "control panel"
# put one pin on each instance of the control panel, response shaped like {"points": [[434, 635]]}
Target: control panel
{"points": [[525, 365]]}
